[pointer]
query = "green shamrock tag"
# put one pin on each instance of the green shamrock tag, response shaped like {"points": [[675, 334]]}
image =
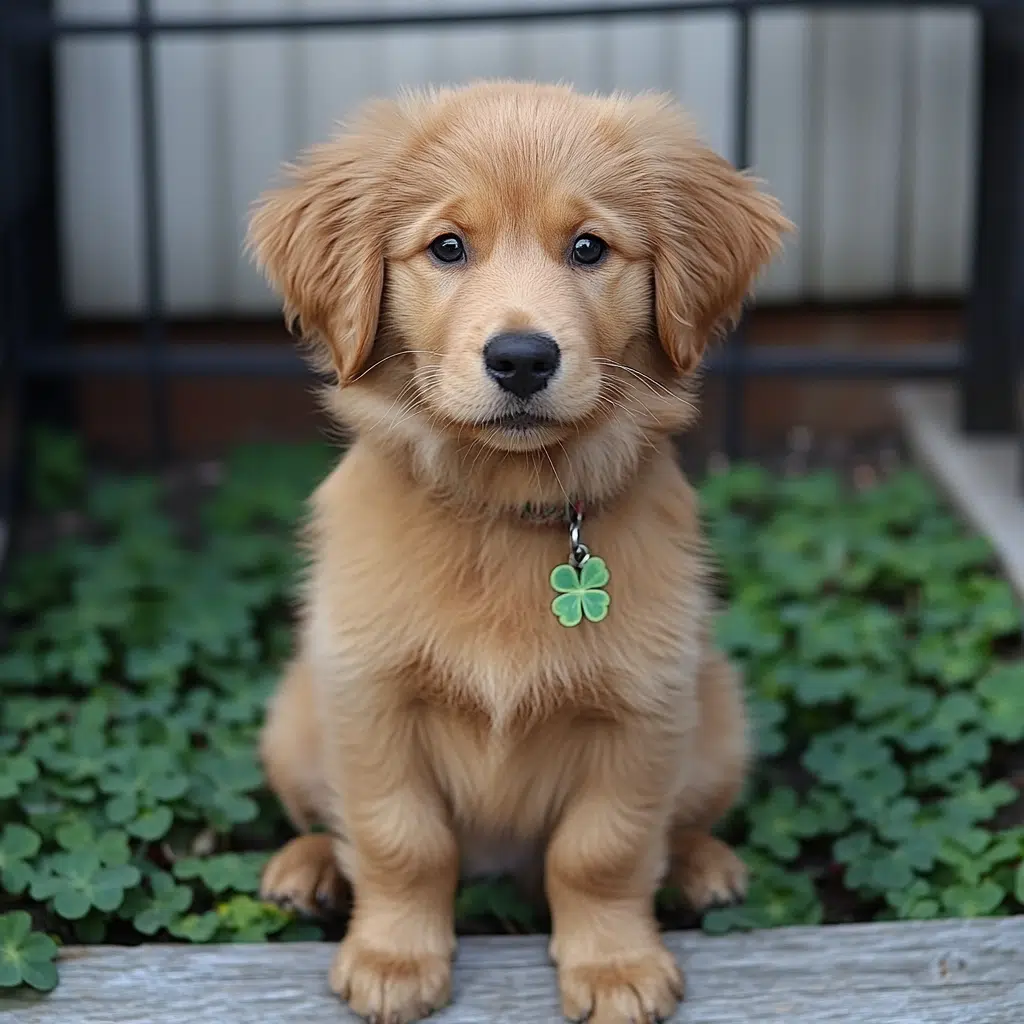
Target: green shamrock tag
{"points": [[580, 592]]}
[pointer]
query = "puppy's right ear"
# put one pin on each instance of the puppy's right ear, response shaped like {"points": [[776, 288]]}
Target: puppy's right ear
{"points": [[320, 242]]}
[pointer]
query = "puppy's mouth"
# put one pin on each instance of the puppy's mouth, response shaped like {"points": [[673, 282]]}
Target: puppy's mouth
{"points": [[518, 422]]}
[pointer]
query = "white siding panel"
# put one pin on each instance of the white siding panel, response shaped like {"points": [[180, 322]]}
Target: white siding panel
{"points": [[779, 137], [862, 124], [264, 117], [466, 54], [339, 70], [193, 141], [637, 61], [703, 70], [99, 167], [573, 53], [861, 61], [942, 190]]}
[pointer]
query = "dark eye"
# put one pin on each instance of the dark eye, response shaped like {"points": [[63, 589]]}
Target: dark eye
{"points": [[448, 248], [588, 250]]}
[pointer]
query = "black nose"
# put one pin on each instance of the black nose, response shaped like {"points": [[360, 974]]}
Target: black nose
{"points": [[522, 363]]}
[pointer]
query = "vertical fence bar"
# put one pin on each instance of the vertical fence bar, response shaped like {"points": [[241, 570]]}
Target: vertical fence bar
{"points": [[735, 375], [11, 384], [31, 300], [995, 321], [154, 324]]}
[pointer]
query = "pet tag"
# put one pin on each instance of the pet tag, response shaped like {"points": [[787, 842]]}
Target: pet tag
{"points": [[580, 582]]}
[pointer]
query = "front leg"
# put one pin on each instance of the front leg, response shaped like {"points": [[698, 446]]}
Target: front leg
{"points": [[394, 965], [603, 866]]}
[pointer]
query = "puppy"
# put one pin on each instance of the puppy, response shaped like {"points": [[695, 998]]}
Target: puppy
{"points": [[505, 658]]}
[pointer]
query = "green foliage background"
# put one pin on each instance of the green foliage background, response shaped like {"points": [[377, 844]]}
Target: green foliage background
{"points": [[142, 635]]}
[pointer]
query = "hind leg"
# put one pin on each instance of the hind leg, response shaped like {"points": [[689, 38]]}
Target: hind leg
{"points": [[304, 874], [704, 869]]}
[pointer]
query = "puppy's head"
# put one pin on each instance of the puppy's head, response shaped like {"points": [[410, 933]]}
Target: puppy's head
{"points": [[516, 265]]}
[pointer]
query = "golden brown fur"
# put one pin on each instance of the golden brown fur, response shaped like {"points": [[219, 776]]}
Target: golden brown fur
{"points": [[438, 718]]}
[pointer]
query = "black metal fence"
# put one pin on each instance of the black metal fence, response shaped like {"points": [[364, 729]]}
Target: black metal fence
{"points": [[36, 355]]}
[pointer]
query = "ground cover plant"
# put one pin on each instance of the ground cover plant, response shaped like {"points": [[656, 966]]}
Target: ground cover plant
{"points": [[144, 621]]}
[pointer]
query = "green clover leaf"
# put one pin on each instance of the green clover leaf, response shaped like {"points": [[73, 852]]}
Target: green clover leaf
{"points": [[1002, 693], [78, 881], [897, 821], [741, 630], [150, 824], [498, 899], [250, 920], [896, 868], [776, 898], [222, 786], [150, 775], [873, 788], [15, 773], [828, 811], [166, 905], [846, 754], [973, 900], [972, 803], [768, 718], [18, 845], [963, 751], [26, 957], [580, 592], [236, 871], [111, 845], [722, 920], [141, 781], [779, 823], [195, 927], [994, 608], [916, 903]]}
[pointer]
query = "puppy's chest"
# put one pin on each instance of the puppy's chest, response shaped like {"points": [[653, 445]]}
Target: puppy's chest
{"points": [[468, 617], [509, 782]]}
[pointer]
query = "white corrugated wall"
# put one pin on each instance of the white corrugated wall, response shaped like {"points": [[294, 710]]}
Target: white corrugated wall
{"points": [[863, 124]]}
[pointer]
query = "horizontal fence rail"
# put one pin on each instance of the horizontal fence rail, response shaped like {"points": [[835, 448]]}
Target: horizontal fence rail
{"points": [[48, 25]]}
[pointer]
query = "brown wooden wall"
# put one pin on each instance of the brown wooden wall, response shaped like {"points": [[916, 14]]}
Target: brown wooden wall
{"points": [[210, 414]]}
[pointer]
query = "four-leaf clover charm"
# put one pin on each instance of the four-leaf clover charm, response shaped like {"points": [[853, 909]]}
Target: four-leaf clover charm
{"points": [[580, 592]]}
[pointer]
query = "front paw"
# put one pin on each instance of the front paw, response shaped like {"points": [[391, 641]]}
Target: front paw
{"points": [[632, 988], [390, 986]]}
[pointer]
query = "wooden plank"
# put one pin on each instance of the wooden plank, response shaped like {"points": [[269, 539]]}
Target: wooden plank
{"points": [[944, 972]]}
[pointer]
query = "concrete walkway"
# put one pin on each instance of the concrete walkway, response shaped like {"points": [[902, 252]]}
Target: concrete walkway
{"points": [[983, 477]]}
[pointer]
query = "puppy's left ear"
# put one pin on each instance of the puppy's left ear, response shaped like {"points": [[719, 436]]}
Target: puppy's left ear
{"points": [[716, 230]]}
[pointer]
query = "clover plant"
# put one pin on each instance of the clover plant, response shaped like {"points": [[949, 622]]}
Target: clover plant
{"points": [[142, 628]]}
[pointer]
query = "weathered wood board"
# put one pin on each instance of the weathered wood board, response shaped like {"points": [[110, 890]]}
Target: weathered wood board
{"points": [[949, 972]]}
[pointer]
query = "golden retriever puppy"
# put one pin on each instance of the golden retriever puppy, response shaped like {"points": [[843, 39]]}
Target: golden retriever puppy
{"points": [[504, 660]]}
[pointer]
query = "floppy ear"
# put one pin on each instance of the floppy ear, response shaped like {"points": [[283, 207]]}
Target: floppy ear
{"points": [[716, 231], [320, 242]]}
